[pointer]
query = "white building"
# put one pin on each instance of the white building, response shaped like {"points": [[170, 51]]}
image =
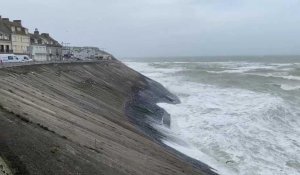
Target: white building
{"points": [[54, 49], [38, 52], [44, 48], [84, 53], [38, 48]]}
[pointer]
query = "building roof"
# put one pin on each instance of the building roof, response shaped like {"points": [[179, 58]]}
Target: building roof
{"points": [[6, 26], [50, 40], [3, 28], [43, 39], [36, 39]]}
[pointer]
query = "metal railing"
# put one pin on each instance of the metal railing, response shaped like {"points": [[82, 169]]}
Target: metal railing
{"points": [[18, 64], [6, 51]]}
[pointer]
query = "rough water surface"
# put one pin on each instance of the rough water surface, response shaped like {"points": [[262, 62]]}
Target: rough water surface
{"points": [[239, 116]]}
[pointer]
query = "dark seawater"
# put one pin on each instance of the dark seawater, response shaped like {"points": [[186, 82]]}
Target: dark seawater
{"points": [[239, 115]]}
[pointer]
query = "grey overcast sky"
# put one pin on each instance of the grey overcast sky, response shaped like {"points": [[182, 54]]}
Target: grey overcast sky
{"points": [[166, 27]]}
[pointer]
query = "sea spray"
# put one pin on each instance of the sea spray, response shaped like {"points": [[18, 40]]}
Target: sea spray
{"points": [[239, 117]]}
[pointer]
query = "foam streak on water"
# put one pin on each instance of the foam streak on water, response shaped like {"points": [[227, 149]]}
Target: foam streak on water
{"points": [[237, 117]]}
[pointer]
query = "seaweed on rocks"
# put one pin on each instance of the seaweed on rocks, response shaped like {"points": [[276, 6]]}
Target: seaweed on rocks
{"points": [[143, 111]]}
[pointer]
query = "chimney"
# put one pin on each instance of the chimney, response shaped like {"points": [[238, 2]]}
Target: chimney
{"points": [[5, 19], [18, 21], [36, 32]]}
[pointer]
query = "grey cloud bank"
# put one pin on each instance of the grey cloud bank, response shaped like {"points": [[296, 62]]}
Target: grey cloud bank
{"points": [[167, 27]]}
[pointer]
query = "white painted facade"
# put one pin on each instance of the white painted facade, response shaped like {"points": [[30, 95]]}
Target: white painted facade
{"points": [[20, 42], [38, 52], [85, 52]]}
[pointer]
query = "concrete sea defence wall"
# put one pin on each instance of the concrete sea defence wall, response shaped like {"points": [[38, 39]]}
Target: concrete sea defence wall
{"points": [[70, 119]]}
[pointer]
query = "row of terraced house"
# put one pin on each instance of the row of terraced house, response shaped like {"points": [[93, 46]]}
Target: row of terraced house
{"points": [[15, 39]]}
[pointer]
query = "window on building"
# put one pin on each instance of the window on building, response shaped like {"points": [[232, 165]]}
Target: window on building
{"points": [[7, 48]]}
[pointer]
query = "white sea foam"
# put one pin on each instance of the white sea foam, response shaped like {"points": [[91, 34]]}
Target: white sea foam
{"points": [[283, 75], [244, 67], [291, 77], [235, 131], [238, 129], [278, 70], [288, 87]]}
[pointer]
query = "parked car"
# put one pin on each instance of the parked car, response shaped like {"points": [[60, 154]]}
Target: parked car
{"points": [[9, 58], [24, 58]]}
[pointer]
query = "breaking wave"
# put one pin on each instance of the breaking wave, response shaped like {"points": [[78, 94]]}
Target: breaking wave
{"points": [[233, 128]]}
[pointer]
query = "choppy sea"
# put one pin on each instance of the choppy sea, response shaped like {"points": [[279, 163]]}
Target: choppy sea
{"points": [[239, 115]]}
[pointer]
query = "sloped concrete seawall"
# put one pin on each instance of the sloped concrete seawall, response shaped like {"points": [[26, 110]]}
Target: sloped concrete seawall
{"points": [[70, 119]]}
